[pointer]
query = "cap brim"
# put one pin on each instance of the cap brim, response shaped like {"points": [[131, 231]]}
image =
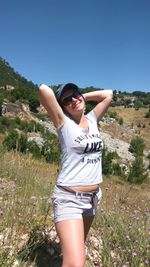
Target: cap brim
{"points": [[65, 87]]}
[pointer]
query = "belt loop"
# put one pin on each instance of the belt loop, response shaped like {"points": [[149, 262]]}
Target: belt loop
{"points": [[77, 193]]}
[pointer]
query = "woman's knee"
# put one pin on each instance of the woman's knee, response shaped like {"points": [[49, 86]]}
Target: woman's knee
{"points": [[74, 262], [80, 262]]}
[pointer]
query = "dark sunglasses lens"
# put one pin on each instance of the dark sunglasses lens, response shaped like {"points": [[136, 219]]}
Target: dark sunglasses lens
{"points": [[68, 99]]}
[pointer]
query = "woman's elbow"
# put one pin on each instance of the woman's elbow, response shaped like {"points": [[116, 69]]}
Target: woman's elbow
{"points": [[43, 87], [110, 93]]}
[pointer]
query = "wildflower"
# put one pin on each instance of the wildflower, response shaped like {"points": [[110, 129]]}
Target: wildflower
{"points": [[134, 254], [45, 233], [147, 262], [127, 237], [1, 212]]}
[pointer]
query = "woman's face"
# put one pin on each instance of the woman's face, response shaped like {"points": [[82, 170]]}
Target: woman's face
{"points": [[72, 102]]}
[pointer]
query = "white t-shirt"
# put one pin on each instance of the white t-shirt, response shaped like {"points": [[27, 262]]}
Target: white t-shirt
{"points": [[81, 153]]}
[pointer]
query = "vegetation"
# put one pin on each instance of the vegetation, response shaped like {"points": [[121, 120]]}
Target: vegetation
{"points": [[123, 224], [147, 115], [27, 181], [18, 139], [137, 172], [137, 146], [15, 87], [26, 228]]}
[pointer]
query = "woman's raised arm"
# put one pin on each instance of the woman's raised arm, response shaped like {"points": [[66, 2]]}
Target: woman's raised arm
{"points": [[48, 100], [103, 97]]}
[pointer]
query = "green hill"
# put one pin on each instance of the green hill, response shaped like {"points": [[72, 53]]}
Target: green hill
{"points": [[15, 87], [8, 76]]}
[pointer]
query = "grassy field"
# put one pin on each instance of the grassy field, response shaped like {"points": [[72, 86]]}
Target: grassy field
{"points": [[121, 226]]}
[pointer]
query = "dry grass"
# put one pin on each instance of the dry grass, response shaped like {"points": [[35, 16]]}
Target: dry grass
{"points": [[24, 201], [131, 118]]}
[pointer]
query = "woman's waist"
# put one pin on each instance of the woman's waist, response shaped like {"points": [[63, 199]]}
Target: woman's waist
{"points": [[85, 188]]}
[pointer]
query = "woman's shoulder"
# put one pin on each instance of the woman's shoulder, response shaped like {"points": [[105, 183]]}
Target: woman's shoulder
{"points": [[91, 115]]}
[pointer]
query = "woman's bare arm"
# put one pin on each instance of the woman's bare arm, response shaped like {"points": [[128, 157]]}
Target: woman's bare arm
{"points": [[49, 101], [103, 97]]}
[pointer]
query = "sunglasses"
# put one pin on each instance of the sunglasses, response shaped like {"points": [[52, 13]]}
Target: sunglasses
{"points": [[67, 101]]}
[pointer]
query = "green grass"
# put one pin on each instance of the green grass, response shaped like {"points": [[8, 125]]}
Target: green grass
{"points": [[26, 217]]}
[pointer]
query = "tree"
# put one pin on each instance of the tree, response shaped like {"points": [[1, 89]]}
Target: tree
{"points": [[137, 146], [107, 162], [147, 115], [137, 172], [137, 104], [11, 140], [33, 104]]}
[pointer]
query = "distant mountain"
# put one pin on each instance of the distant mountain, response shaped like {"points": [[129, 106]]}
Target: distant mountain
{"points": [[9, 77]]}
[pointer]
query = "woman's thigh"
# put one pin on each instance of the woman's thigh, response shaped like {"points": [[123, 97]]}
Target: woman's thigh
{"points": [[71, 234]]}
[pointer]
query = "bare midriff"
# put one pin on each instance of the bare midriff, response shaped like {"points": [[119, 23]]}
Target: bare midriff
{"points": [[87, 188]]}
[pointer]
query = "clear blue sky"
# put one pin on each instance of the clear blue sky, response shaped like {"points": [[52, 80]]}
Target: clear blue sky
{"points": [[100, 43]]}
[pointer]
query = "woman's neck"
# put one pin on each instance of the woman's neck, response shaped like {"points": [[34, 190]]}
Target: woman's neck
{"points": [[81, 121]]}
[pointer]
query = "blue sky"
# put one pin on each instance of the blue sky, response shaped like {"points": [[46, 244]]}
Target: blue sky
{"points": [[100, 43]]}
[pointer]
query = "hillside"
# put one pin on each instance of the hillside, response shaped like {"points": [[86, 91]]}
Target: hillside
{"points": [[134, 123], [28, 171], [9, 77]]}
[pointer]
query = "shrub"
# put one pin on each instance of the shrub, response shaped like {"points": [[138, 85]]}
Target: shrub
{"points": [[137, 146], [117, 169], [147, 115], [34, 149], [2, 128], [22, 143], [137, 172], [8, 122], [107, 162], [50, 152], [113, 115], [120, 121], [11, 140], [33, 103]]}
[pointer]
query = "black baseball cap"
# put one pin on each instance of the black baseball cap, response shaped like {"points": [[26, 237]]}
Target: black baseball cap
{"points": [[65, 87]]}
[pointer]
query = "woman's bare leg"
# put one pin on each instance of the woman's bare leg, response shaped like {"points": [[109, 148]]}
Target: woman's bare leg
{"points": [[71, 234]]}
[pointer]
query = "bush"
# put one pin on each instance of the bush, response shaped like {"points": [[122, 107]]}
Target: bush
{"points": [[137, 146], [147, 115], [33, 103], [107, 168], [120, 121], [10, 140], [8, 122], [22, 143], [113, 115], [34, 149], [137, 172], [2, 128], [50, 152], [117, 169]]}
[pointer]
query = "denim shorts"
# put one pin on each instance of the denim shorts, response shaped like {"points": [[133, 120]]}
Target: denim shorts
{"points": [[73, 204]]}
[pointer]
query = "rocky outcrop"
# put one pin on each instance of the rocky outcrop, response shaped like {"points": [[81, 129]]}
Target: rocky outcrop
{"points": [[117, 145]]}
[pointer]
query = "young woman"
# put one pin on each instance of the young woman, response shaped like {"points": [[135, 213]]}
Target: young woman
{"points": [[77, 191]]}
